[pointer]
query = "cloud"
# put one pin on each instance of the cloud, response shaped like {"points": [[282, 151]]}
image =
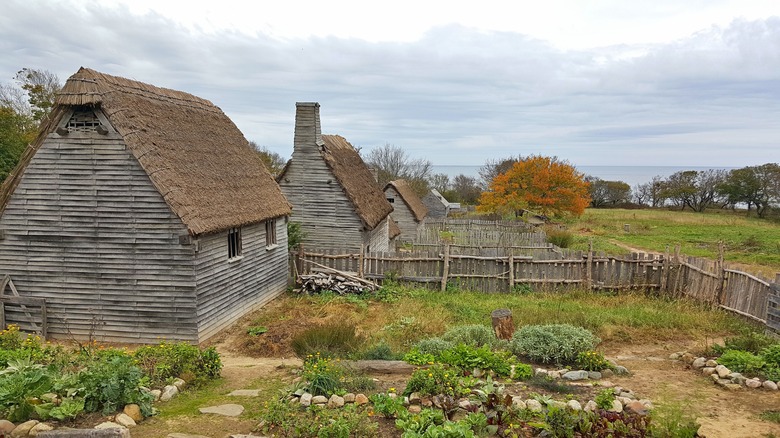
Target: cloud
{"points": [[457, 95]]}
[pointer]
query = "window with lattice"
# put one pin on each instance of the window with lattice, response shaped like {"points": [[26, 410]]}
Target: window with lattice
{"points": [[83, 120]]}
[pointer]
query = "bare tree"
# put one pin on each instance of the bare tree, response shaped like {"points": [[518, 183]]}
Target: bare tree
{"points": [[466, 189], [440, 182], [495, 167], [272, 161], [392, 162]]}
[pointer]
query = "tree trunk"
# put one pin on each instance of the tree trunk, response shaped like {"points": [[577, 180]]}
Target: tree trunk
{"points": [[503, 325]]}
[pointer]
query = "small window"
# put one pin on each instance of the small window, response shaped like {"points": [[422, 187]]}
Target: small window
{"points": [[270, 233], [234, 243], [391, 200]]}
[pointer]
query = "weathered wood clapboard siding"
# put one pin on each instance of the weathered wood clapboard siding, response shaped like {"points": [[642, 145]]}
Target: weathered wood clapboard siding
{"points": [[436, 209], [228, 290], [86, 230], [378, 239], [402, 215]]}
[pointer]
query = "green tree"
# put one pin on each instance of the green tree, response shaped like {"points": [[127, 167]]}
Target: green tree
{"points": [[604, 193], [14, 137], [272, 160], [757, 186]]}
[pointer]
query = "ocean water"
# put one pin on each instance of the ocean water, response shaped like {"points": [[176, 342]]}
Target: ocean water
{"points": [[632, 175]]}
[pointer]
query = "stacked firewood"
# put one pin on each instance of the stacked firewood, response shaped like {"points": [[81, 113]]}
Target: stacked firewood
{"points": [[340, 284]]}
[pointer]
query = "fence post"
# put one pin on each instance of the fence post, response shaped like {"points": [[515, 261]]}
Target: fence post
{"points": [[679, 269], [665, 272], [446, 268], [511, 271], [721, 274], [361, 259], [589, 267], [299, 269]]}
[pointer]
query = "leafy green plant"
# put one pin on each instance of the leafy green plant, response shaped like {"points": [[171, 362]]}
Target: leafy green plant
{"points": [[673, 421], [560, 423], [165, 361], [337, 340], [438, 379], [415, 425], [552, 343], [67, 409], [522, 371], [279, 418], [109, 385], [553, 385], [324, 375], [522, 289], [771, 355], [20, 386], [741, 361], [379, 351], [295, 235], [386, 405], [604, 398], [773, 416], [256, 330], [415, 357], [749, 340], [466, 358], [593, 361]]}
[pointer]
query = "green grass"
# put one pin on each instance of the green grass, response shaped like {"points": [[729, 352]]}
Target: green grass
{"points": [[747, 240]]}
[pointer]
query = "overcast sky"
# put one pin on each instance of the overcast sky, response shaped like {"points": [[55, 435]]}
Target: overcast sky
{"points": [[595, 82]]}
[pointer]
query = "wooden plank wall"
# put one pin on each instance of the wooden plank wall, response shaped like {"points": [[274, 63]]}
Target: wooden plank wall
{"points": [[402, 215], [746, 294], [86, 230], [228, 289], [481, 233]]}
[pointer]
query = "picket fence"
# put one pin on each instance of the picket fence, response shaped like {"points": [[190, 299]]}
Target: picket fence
{"points": [[495, 270]]}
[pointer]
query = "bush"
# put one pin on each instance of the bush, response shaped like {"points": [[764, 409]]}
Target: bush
{"points": [[750, 341], [771, 355], [552, 343], [593, 361], [436, 380], [432, 346], [333, 340], [109, 385], [467, 358], [379, 351], [414, 357], [323, 375], [166, 361], [474, 335], [741, 361], [387, 406]]}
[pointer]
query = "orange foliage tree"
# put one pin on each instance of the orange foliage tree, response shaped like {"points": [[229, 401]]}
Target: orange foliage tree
{"points": [[541, 184]]}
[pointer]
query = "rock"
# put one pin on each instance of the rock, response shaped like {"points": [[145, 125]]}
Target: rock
{"points": [[616, 406], [715, 378], [533, 405], [414, 409], [623, 400], [168, 393], [392, 395], [109, 425], [540, 372], [156, 393], [179, 383], [306, 399], [737, 378], [711, 363], [426, 402], [477, 373], [361, 399], [590, 406], [699, 362], [228, 410], [6, 427], [554, 374], [319, 400], [464, 404], [708, 370], [518, 402], [574, 405], [722, 371], [38, 428], [125, 420], [753, 383], [23, 430], [336, 401], [349, 398], [414, 398], [594, 375], [606, 384], [133, 411], [688, 358], [245, 393], [607, 373], [576, 375], [458, 415], [556, 404], [636, 407], [627, 394], [563, 371], [621, 370], [647, 403], [674, 356], [770, 385], [184, 435]]}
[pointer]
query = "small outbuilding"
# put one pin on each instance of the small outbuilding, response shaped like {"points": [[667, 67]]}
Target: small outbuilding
{"points": [[437, 205], [335, 197], [141, 213], [408, 210]]}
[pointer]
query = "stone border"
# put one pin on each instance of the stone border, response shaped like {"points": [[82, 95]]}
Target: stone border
{"points": [[720, 374]]}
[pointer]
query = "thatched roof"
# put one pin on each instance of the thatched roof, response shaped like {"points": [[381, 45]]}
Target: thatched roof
{"points": [[394, 230], [415, 204], [356, 179], [194, 154]]}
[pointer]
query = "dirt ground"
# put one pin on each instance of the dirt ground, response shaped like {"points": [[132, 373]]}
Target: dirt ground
{"points": [[722, 413]]}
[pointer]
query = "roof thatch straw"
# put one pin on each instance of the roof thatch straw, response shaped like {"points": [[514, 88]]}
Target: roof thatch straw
{"points": [[394, 229], [356, 179], [194, 154], [415, 204]]}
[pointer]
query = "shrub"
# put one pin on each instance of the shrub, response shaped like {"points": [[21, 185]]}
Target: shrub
{"points": [[741, 361], [379, 351], [552, 343], [333, 340], [474, 335], [771, 355], [604, 398], [414, 357], [467, 358], [593, 361], [109, 385], [323, 375], [432, 346], [522, 372], [436, 380], [750, 341]]}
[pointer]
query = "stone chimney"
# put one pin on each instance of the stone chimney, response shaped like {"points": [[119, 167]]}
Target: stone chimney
{"points": [[308, 136]]}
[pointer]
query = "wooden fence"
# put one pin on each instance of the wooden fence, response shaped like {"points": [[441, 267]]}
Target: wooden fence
{"points": [[455, 267], [480, 233]]}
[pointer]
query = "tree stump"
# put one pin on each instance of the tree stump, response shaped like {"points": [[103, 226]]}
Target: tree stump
{"points": [[503, 325]]}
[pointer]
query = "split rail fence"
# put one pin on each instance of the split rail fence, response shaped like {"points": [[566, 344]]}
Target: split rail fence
{"points": [[459, 267]]}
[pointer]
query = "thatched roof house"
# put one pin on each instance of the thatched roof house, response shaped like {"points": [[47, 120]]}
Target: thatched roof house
{"points": [[335, 197], [438, 206], [142, 211], [409, 212]]}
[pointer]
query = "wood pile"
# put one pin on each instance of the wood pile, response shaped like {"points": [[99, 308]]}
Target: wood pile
{"points": [[335, 282]]}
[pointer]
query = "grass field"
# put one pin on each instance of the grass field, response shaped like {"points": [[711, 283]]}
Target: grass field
{"points": [[747, 240]]}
